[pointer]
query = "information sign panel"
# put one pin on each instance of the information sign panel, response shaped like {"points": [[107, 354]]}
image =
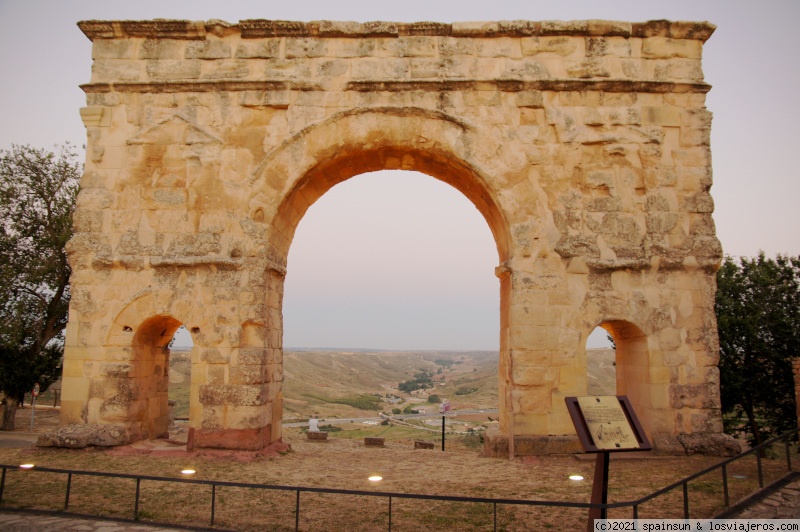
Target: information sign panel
{"points": [[607, 423]]}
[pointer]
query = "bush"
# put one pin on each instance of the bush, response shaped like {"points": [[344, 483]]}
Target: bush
{"points": [[396, 411], [434, 399], [472, 440]]}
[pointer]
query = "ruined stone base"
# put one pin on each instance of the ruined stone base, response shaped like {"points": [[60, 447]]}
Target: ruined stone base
{"points": [[78, 436], [714, 444], [229, 439], [316, 436], [710, 444], [495, 444]]}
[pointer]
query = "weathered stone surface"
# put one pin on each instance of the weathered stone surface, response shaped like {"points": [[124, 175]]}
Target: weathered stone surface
{"points": [[496, 445], [79, 436], [667, 443], [710, 444], [235, 439], [584, 144]]}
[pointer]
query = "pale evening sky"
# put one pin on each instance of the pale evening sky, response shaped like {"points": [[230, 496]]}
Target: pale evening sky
{"points": [[399, 260]]}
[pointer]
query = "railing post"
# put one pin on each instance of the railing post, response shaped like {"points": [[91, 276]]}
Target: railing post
{"points": [[2, 484], [136, 502], [760, 472], [725, 485], [788, 455], [390, 513], [495, 517], [297, 512], [213, 501], [636, 511], [69, 485], [686, 500]]}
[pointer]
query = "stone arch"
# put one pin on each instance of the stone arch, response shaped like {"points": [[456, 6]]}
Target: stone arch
{"points": [[150, 381], [360, 141], [133, 391], [352, 143], [585, 145]]}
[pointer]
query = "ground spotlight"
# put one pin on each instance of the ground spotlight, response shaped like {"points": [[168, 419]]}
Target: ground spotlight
{"points": [[26, 466], [576, 477], [375, 478], [188, 472]]}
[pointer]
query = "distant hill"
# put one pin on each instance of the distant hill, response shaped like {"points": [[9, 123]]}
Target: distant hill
{"points": [[333, 382], [601, 371], [312, 379]]}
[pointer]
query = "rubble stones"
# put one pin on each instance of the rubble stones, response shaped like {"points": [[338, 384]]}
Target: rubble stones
{"points": [[77, 436]]}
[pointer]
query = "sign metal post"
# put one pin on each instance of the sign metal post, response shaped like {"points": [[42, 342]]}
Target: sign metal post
{"points": [[605, 424], [445, 409], [35, 394]]}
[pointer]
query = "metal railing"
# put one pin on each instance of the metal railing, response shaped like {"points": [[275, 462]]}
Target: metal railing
{"points": [[723, 466], [786, 438]]}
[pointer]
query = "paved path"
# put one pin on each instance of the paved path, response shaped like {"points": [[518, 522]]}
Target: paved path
{"points": [[25, 522], [17, 439], [783, 503]]}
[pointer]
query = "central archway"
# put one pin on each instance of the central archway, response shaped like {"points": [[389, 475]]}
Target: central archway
{"points": [[313, 162]]}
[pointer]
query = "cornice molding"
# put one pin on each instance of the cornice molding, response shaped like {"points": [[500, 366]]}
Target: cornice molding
{"points": [[260, 28], [554, 85]]}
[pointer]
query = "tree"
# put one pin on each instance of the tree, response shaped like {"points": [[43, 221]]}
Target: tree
{"points": [[758, 314], [421, 381], [38, 189]]}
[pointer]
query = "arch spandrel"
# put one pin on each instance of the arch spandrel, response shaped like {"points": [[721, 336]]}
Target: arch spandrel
{"points": [[590, 164]]}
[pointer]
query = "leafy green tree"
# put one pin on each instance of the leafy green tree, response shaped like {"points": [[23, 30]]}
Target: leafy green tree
{"points": [[758, 315], [421, 381], [410, 409], [38, 189]]}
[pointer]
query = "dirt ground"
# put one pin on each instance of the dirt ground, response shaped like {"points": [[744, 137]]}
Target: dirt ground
{"points": [[345, 463]]}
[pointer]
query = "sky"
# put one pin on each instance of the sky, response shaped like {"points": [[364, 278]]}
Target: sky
{"points": [[399, 260]]}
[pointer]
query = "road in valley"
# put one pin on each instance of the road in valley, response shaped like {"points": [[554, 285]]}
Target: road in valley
{"points": [[426, 415]]}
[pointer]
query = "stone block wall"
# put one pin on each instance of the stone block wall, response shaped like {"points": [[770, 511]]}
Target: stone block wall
{"points": [[584, 144]]}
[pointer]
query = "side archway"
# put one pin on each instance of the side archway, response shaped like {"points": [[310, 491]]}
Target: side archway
{"points": [[132, 391], [150, 356], [637, 375]]}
